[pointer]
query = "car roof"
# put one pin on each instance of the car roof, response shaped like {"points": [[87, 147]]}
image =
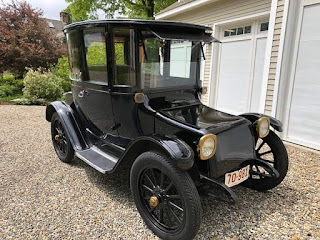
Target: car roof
{"points": [[137, 22]]}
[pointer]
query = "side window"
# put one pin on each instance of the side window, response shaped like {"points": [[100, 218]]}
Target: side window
{"points": [[74, 46], [124, 57], [95, 49]]}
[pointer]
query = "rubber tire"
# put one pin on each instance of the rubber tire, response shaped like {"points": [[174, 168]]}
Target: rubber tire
{"points": [[70, 152], [281, 163], [182, 182]]}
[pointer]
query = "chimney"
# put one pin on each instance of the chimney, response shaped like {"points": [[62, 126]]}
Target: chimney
{"points": [[65, 17]]}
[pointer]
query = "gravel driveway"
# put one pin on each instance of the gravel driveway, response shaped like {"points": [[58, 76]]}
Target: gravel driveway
{"points": [[41, 197]]}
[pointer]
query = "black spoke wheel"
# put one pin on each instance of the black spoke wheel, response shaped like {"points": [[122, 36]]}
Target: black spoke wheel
{"points": [[60, 140], [165, 197], [271, 150]]}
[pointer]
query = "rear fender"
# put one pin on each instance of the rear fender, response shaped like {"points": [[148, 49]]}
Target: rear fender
{"points": [[179, 151], [68, 121], [275, 123]]}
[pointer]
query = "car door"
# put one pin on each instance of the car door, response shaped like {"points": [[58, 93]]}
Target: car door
{"points": [[92, 92]]}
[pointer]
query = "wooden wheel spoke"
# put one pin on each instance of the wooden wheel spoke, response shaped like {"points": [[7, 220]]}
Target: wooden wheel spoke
{"points": [[168, 216], [264, 153], [161, 213], [162, 179], [149, 180], [171, 204], [147, 188], [175, 215], [173, 196], [168, 187], [260, 146]]}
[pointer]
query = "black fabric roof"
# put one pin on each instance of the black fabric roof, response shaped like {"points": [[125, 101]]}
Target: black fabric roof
{"points": [[137, 22]]}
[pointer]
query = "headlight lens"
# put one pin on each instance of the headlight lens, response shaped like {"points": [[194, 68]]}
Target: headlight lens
{"points": [[207, 146], [263, 127]]}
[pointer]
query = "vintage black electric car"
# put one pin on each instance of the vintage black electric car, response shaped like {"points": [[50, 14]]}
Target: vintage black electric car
{"points": [[136, 101]]}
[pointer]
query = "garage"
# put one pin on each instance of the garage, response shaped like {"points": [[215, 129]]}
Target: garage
{"points": [[240, 68], [303, 115]]}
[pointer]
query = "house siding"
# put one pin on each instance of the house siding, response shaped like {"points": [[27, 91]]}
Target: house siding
{"points": [[221, 11], [274, 57]]}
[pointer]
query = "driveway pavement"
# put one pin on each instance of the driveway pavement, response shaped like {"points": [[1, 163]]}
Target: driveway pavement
{"points": [[41, 197]]}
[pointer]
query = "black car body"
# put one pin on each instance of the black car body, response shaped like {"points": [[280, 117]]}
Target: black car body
{"points": [[137, 88]]}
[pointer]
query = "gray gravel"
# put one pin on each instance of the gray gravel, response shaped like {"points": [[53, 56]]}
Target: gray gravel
{"points": [[43, 198]]}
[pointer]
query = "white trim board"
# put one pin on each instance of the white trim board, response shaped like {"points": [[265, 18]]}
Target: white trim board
{"points": [[279, 59], [266, 69]]}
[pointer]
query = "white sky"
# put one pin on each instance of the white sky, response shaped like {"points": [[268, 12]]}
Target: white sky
{"points": [[50, 8]]}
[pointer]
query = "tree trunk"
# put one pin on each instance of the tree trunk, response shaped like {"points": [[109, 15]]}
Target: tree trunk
{"points": [[150, 11]]}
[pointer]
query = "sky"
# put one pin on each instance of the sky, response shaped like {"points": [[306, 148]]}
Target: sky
{"points": [[50, 8]]}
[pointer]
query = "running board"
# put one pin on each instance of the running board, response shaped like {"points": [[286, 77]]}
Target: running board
{"points": [[99, 160]]}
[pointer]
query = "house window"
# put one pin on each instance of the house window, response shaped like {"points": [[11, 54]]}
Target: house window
{"points": [[237, 31], [264, 26], [50, 24]]}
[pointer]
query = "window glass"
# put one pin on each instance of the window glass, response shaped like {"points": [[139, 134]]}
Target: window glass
{"points": [[125, 71], [74, 44], [237, 31], [168, 63], [264, 26], [95, 48]]}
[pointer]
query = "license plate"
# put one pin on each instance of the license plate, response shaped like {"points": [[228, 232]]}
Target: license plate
{"points": [[236, 177]]}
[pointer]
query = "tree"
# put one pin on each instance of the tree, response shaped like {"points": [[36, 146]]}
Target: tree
{"points": [[25, 39], [87, 9]]}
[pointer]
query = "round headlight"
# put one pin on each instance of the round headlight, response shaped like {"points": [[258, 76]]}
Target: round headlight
{"points": [[207, 146], [263, 127]]}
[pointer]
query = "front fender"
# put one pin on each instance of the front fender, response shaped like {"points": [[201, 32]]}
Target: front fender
{"points": [[68, 121], [180, 152], [275, 123]]}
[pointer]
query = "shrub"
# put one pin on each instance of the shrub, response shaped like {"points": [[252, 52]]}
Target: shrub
{"points": [[42, 87], [9, 85], [62, 70], [6, 90]]}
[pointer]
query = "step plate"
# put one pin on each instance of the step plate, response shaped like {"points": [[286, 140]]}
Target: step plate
{"points": [[97, 159]]}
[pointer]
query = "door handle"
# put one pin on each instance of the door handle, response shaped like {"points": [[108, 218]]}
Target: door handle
{"points": [[82, 93]]}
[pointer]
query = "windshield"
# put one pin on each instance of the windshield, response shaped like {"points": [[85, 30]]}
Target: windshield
{"points": [[168, 63]]}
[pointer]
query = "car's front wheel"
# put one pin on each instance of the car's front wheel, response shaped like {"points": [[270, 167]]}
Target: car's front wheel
{"points": [[60, 140], [166, 197], [272, 150]]}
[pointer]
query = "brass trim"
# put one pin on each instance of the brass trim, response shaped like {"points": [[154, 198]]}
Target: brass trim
{"points": [[56, 137], [137, 96], [260, 120], [154, 201], [202, 140]]}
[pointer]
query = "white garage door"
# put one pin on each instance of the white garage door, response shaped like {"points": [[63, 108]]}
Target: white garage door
{"points": [[304, 113], [241, 64]]}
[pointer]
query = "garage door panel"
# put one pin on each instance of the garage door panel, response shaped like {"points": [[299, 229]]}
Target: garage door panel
{"points": [[258, 74], [234, 76], [304, 116]]}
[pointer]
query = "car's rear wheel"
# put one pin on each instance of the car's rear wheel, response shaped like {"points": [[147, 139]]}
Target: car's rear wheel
{"points": [[166, 197], [272, 150], [60, 140]]}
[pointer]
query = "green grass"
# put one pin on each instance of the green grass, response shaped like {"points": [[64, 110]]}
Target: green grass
{"points": [[9, 98]]}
